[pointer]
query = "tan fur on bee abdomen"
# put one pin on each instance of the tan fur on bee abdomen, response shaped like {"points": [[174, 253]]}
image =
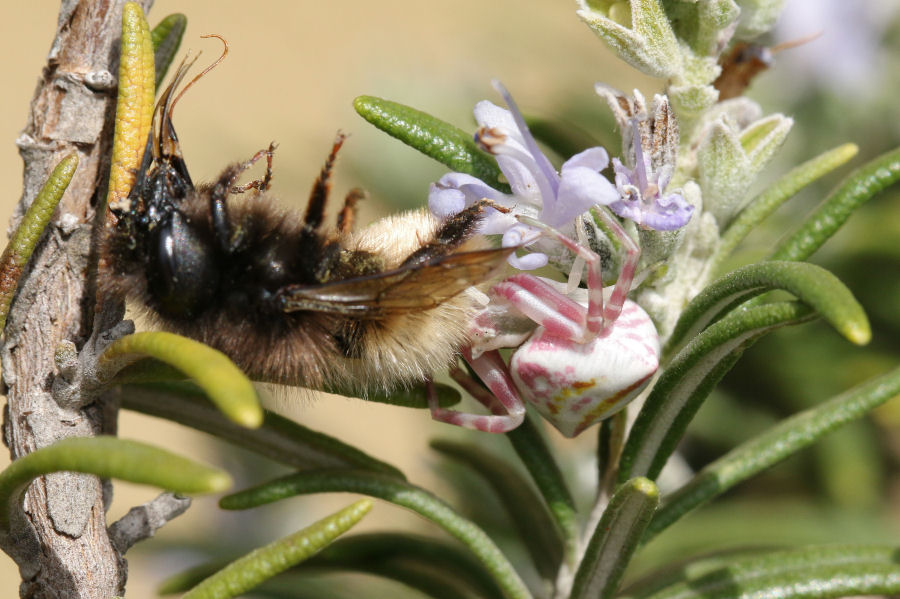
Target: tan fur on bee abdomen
{"points": [[408, 347]]}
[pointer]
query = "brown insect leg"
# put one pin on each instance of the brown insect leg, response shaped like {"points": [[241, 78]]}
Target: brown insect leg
{"points": [[266, 181], [347, 216], [318, 196], [452, 232]]}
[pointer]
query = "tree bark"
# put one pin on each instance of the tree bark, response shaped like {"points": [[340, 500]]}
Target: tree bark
{"points": [[59, 538]]}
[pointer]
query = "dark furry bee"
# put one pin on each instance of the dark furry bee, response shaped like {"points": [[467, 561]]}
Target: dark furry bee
{"points": [[287, 297]]}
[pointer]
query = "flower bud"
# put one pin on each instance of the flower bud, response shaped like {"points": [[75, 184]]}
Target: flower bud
{"points": [[642, 37]]}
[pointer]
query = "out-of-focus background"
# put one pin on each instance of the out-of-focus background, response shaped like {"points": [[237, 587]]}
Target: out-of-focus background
{"points": [[291, 75]]}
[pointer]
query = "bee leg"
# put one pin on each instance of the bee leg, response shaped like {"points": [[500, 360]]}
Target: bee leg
{"points": [[224, 185], [347, 216], [452, 233], [318, 196], [266, 181], [500, 397]]}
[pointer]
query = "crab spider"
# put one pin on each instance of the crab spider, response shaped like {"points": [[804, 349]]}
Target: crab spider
{"points": [[579, 357]]}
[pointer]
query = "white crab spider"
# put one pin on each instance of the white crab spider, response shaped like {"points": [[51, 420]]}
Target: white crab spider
{"points": [[579, 359]]}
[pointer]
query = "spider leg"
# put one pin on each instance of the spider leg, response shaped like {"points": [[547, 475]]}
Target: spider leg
{"points": [[629, 266], [266, 181], [507, 408], [599, 318], [543, 304]]}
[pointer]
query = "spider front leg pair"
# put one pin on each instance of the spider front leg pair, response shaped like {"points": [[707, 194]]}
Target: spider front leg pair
{"points": [[583, 358]]}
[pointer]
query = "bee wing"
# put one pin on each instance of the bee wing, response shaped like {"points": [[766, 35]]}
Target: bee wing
{"points": [[413, 287]]}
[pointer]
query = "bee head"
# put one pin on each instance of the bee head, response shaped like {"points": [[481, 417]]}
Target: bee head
{"points": [[163, 180]]}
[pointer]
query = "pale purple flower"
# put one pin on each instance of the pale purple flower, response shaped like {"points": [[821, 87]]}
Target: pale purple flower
{"points": [[538, 191], [642, 192]]}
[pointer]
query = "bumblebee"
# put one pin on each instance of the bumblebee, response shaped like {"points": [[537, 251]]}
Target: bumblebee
{"points": [[290, 298]]}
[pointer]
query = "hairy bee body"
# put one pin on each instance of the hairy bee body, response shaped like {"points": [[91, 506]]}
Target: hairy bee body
{"points": [[290, 298], [243, 312]]}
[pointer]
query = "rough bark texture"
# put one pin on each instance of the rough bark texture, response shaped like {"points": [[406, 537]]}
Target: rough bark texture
{"points": [[59, 538]]}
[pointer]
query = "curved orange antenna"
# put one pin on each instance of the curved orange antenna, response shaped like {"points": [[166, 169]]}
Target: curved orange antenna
{"points": [[201, 73], [794, 43]]}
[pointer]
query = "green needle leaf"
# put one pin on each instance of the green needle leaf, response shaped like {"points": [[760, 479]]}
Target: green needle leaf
{"points": [[562, 137], [19, 249], [166, 39], [154, 371], [412, 397], [278, 438], [781, 441], [527, 511], [107, 457], [134, 103], [814, 572], [532, 449], [811, 284], [690, 378], [779, 192], [418, 561], [228, 388], [433, 137], [438, 569], [824, 222], [263, 563], [400, 493], [615, 539]]}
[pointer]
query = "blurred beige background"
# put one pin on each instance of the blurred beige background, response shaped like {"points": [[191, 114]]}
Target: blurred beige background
{"points": [[293, 70]]}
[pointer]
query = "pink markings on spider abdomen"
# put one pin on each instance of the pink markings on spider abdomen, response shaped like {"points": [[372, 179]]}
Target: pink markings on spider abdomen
{"points": [[575, 384]]}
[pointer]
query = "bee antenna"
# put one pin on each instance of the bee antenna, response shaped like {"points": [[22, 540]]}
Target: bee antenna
{"points": [[797, 42], [201, 73]]}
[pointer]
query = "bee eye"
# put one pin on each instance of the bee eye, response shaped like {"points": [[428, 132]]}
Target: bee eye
{"points": [[185, 274]]}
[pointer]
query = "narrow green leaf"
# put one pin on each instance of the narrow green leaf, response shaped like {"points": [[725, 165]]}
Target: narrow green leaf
{"points": [[763, 205], [134, 103], [188, 579], [396, 555], [263, 563], [689, 379], [398, 492], [811, 284], [562, 137], [824, 222], [278, 438], [418, 561], [528, 513], [433, 137], [813, 572], [412, 397], [166, 39], [153, 371], [532, 449], [20, 247], [431, 583], [615, 539], [147, 370], [610, 441], [107, 457], [776, 444], [228, 388]]}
